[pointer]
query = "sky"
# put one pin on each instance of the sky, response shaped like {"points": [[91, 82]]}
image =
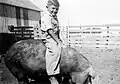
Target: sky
{"points": [[86, 12]]}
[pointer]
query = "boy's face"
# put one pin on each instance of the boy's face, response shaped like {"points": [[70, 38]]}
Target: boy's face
{"points": [[53, 10]]}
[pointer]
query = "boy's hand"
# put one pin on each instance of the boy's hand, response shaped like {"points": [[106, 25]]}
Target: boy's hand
{"points": [[59, 42]]}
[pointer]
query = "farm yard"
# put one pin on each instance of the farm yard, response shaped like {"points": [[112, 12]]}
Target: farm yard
{"points": [[105, 61], [102, 51], [99, 43], [104, 58]]}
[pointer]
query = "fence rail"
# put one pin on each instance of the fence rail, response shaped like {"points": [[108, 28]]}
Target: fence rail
{"points": [[97, 36], [22, 32], [94, 36]]}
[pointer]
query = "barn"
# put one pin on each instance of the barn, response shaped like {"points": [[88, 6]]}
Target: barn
{"points": [[18, 13]]}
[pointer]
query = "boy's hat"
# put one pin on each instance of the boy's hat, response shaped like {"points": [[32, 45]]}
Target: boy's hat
{"points": [[53, 2]]}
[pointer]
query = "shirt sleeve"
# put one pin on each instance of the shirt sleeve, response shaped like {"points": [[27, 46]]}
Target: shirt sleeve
{"points": [[46, 22]]}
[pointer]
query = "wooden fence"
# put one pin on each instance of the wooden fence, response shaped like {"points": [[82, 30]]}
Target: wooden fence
{"points": [[22, 32], [94, 36]]}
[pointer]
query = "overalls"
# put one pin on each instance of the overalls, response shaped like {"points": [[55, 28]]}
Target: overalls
{"points": [[53, 49]]}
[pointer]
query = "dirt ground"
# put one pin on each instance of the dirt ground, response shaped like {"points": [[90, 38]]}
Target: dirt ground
{"points": [[5, 76], [106, 63]]}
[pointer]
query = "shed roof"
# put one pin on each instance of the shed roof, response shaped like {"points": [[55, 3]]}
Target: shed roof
{"points": [[21, 3]]}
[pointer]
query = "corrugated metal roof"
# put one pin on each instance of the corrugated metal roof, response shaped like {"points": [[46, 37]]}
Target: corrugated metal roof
{"points": [[21, 3]]}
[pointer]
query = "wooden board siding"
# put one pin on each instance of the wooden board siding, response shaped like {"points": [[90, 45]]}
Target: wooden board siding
{"points": [[12, 15], [8, 17], [25, 17], [33, 15], [13, 20], [21, 15], [33, 23], [1, 17], [18, 16]]}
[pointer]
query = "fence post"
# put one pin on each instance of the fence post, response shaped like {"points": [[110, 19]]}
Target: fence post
{"points": [[68, 39], [107, 43], [11, 28]]}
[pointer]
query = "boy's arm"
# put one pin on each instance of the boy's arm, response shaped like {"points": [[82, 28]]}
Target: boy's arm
{"points": [[54, 36]]}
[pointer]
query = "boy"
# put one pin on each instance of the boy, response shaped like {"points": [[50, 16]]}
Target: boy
{"points": [[50, 28]]}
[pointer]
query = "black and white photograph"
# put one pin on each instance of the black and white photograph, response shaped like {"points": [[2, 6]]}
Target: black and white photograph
{"points": [[59, 42]]}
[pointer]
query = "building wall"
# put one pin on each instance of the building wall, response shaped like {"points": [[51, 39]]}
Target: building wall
{"points": [[17, 16]]}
